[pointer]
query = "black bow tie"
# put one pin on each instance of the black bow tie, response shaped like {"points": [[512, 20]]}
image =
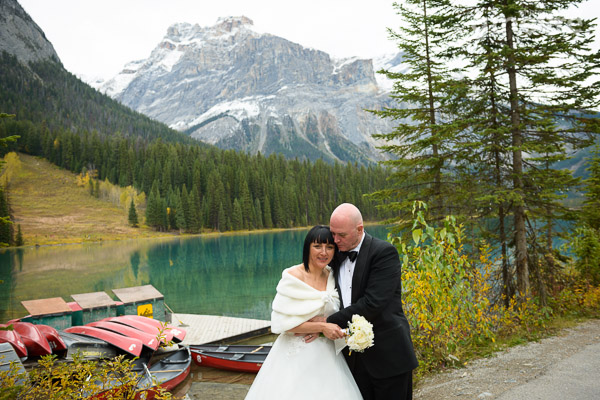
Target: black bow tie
{"points": [[350, 254]]}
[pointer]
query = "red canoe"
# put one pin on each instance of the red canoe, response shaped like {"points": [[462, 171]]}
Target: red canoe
{"points": [[171, 370], [53, 338], [230, 357], [141, 325], [34, 340], [178, 333], [167, 373], [147, 339], [14, 339], [128, 344]]}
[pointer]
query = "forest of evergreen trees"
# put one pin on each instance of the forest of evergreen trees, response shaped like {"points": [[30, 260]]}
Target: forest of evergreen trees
{"points": [[192, 187], [46, 92], [188, 185]]}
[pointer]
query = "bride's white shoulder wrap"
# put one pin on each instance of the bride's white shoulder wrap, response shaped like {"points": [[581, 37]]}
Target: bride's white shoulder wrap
{"points": [[297, 302]]}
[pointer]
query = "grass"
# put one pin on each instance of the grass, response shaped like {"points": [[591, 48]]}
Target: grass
{"points": [[52, 209]]}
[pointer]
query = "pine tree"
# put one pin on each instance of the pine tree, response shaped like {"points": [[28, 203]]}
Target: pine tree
{"points": [[237, 218], [153, 211], [259, 214], [222, 220], [133, 218], [267, 213], [5, 223], [186, 212], [163, 215], [591, 204], [546, 62], [427, 137], [528, 80], [19, 239], [180, 213]]}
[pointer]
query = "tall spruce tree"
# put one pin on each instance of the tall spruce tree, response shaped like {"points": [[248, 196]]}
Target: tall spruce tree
{"points": [[424, 141], [19, 238], [547, 71], [488, 142], [133, 218], [153, 208], [591, 203]]}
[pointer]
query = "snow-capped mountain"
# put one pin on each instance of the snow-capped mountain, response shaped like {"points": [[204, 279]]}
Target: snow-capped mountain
{"points": [[238, 89]]}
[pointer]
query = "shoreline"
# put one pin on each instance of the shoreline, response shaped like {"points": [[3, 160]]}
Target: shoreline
{"points": [[166, 235]]}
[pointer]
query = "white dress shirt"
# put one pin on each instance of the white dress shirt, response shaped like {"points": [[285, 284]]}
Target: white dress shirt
{"points": [[346, 273]]}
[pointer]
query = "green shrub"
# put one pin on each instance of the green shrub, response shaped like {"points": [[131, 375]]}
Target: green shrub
{"points": [[447, 296], [54, 379], [585, 245]]}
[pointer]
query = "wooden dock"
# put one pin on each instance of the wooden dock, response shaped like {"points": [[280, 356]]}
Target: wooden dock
{"points": [[203, 329]]}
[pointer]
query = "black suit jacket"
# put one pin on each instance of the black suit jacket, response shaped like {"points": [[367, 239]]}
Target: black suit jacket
{"points": [[377, 296]]}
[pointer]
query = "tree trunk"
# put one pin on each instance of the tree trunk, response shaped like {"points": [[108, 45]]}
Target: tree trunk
{"points": [[517, 141], [437, 190]]}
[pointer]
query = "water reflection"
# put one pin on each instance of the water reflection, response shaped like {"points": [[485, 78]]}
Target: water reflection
{"points": [[231, 275]]}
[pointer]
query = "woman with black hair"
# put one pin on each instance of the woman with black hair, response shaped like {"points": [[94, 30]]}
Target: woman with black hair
{"points": [[298, 365]]}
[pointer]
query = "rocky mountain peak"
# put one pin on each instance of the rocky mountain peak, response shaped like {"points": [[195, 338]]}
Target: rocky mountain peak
{"points": [[21, 36], [238, 89], [228, 24]]}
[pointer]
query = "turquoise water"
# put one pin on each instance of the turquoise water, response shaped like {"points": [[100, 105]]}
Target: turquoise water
{"points": [[229, 275]]}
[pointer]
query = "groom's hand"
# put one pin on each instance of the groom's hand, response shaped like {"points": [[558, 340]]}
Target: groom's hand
{"points": [[333, 332]]}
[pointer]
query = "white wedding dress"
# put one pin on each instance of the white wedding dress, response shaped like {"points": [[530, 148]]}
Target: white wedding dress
{"points": [[295, 369]]}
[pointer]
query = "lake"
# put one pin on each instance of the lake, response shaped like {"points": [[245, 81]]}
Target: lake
{"points": [[231, 275]]}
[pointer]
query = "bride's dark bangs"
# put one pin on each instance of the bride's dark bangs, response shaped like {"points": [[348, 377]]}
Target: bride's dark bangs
{"points": [[321, 234]]}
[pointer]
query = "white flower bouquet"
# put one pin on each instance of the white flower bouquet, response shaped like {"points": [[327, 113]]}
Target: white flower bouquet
{"points": [[360, 334]]}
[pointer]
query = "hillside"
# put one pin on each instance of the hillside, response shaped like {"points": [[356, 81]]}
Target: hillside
{"points": [[51, 208]]}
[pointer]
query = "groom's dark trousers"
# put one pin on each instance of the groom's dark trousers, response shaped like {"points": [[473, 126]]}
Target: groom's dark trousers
{"points": [[384, 371]]}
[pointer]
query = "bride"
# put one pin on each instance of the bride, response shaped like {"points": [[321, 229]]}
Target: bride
{"points": [[312, 369]]}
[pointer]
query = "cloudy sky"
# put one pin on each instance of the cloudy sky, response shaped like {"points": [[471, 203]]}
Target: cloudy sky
{"points": [[96, 38]]}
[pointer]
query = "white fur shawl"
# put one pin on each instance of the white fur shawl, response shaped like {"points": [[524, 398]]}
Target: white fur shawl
{"points": [[297, 302]]}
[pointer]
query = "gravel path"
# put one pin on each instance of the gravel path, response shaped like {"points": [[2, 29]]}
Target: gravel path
{"points": [[565, 366], [561, 367]]}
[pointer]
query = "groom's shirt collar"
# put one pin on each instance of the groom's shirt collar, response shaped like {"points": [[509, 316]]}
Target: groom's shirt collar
{"points": [[346, 274]]}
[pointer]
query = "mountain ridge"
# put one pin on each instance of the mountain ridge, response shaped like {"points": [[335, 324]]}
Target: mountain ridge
{"points": [[235, 88], [21, 36]]}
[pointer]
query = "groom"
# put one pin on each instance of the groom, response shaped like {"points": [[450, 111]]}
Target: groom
{"points": [[369, 283]]}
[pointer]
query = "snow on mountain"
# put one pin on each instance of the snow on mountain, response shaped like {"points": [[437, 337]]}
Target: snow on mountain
{"points": [[233, 87], [390, 62]]}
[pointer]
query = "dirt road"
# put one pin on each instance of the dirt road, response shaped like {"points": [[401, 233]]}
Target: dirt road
{"points": [[561, 367], [565, 366]]}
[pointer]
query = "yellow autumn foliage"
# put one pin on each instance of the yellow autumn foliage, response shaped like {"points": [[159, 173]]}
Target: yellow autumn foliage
{"points": [[11, 167], [447, 295]]}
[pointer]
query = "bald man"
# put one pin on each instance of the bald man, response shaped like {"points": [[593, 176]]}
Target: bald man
{"points": [[370, 285]]}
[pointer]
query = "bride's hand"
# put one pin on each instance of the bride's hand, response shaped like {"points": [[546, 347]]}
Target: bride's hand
{"points": [[309, 337]]}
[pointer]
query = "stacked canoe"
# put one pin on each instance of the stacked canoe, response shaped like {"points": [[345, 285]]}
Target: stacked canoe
{"points": [[131, 335]]}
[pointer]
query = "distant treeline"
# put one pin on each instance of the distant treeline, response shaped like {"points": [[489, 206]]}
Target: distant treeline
{"points": [[46, 92], [188, 185], [193, 187]]}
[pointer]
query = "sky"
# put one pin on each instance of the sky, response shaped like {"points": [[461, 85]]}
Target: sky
{"points": [[96, 38]]}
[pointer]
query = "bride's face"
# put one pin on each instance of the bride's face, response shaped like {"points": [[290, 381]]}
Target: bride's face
{"points": [[321, 254]]}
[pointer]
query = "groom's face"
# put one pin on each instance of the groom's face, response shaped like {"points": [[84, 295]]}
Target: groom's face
{"points": [[346, 233]]}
